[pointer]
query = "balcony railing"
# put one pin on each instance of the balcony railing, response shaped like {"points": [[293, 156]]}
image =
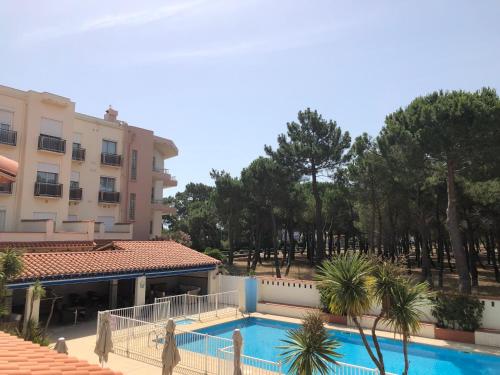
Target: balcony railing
{"points": [[46, 189], [109, 197], [6, 187], [78, 154], [111, 159], [50, 143], [8, 137], [75, 194]]}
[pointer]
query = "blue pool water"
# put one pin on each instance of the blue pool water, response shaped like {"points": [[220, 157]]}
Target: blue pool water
{"points": [[262, 336], [184, 322]]}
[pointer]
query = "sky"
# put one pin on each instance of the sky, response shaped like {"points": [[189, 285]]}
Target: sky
{"points": [[221, 78]]}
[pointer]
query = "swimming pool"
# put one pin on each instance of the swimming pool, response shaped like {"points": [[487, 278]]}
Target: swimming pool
{"points": [[262, 336]]}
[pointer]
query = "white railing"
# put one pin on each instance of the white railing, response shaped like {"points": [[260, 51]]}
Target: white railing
{"points": [[349, 369], [249, 365], [199, 351], [202, 307], [151, 313]]}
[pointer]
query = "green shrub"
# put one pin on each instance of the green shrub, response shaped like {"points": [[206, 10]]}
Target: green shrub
{"points": [[215, 253], [458, 311]]}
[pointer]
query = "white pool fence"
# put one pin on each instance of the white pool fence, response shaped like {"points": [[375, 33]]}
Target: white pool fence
{"points": [[202, 307], [138, 332]]}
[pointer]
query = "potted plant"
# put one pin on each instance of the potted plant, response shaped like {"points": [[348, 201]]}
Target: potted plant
{"points": [[328, 317], [458, 316]]}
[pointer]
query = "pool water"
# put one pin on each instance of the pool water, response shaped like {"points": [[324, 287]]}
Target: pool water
{"points": [[184, 322], [262, 336]]}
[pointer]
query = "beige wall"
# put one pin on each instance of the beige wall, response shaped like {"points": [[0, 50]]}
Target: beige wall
{"points": [[92, 132], [28, 109]]}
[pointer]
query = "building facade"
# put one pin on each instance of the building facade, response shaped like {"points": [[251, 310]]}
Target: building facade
{"points": [[78, 173]]}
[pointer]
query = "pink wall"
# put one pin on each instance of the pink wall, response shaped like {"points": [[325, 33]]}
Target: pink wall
{"points": [[142, 141]]}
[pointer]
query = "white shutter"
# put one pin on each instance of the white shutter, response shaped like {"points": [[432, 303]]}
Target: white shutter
{"points": [[46, 167], [75, 176], [6, 117], [108, 221], [77, 138], [44, 215], [3, 215], [51, 127]]}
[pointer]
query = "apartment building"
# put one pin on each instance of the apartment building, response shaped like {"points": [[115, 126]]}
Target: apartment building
{"points": [[78, 173]]}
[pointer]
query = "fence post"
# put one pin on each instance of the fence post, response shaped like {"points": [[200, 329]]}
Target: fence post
{"points": [[184, 305], [199, 309], [128, 337], [206, 354], [217, 305]]}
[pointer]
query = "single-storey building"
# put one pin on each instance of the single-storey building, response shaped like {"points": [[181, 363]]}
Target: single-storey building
{"points": [[118, 274]]}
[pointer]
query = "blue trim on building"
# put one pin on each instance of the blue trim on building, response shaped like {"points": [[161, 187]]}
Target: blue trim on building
{"points": [[95, 279]]}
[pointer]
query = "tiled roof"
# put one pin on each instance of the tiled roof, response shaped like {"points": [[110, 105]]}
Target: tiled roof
{"points": [[126, 257], [56, 245], [19, 357]]}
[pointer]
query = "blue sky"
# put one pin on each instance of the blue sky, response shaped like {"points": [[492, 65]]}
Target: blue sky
{"points": [[221, 78]]}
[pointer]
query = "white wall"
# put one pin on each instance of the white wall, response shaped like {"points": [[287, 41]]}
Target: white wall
{"points": [[288, 291], [304, 293]]}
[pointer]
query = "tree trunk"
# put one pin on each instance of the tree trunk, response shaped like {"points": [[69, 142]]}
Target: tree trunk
{"points": [[320, 243], [275, 246], [464, 285], [367, 346], [405, 353]]}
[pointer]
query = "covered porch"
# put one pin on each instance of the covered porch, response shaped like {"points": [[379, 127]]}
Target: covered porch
{"points": [[79, 284]]}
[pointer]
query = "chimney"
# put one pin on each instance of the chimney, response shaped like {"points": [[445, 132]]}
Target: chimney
{"points": [[111, 114]]}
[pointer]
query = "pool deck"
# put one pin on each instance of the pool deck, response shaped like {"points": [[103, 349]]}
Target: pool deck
{"points": [[81, 341]]}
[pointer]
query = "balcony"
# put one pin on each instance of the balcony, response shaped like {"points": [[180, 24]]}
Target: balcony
{"points": [[50, 143], [78, 154], [75, 194], [46, 189], [8, 137], [6, 188], [164, 174], [111, 159], [164, 207], [109, 197]]}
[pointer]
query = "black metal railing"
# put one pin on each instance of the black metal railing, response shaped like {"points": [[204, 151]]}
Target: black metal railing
{"points": [[75, 194], [111, 159], [46, 189], [8, 137], [6, 187], [78, 154], [50, 143], [109, 197]]}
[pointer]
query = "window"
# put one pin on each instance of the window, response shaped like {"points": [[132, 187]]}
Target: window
{"points": [[47, 177], [3, 215], [109, 147], [74, 184], [76, 146], [5, 120], [131, 213], [150, 227], [152, 195], [108, 221], [107, 184], [51, 127], [133, 165]]}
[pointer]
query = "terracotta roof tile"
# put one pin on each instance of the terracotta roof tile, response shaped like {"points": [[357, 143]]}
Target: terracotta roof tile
{"points": [[19, 357], [47, 244], [125, 257]]}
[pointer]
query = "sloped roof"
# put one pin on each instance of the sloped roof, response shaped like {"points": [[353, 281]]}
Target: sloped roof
{"points": [[50, 245], [124, 257], [25, 358]]}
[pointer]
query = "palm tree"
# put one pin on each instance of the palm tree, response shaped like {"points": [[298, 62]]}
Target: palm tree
{"points": [[347, 281], [37, 292], [403, 315], [308, 349]]}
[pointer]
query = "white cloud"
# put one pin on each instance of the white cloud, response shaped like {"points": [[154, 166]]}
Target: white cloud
{"points": [[130, 19]]}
